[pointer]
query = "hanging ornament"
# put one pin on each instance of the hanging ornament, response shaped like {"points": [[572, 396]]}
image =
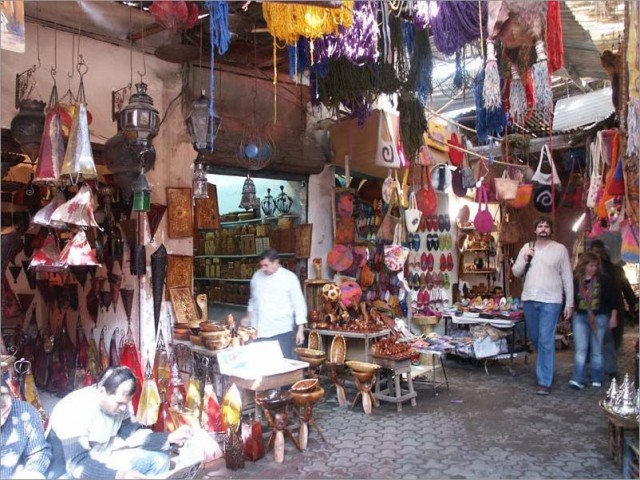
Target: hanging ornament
{"points": [[78, 164], [77, 211], [52, 144]]}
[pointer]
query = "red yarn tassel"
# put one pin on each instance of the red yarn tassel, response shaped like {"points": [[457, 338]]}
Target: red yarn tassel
{"points": [[555, 47]]}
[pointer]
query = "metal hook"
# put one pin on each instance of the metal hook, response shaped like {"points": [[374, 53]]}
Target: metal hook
{"points": [[22, 366], [82, 67]]}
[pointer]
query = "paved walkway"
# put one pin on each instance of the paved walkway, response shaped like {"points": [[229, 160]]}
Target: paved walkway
{"points": [[487, 426]]}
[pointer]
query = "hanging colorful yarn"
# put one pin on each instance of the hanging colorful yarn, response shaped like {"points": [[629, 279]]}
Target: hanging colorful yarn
{"points": [[456, 23], [419, 14], [288, 21], [491, 89], [413, 124], [299, 59], [358, 44], [488, 121], [420, 73], [220, 38], [392, 76], [458, 77], [633, 127], [555, 45], [517, 97], [542, 82]]}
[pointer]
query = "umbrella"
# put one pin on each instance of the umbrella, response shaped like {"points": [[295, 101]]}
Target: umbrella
{"points": [[114, 355], [154, 217], [43, 216], [161, 371], [102, 350], [130, 358], [149, 404], [114, 286], [11, 245], [127, 300], [78, 210], [78, 252], [158, 273]]}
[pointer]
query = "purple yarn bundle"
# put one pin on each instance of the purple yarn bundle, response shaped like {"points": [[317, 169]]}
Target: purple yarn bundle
{"points": [[358, 44], [457, 24], [420, 14]]}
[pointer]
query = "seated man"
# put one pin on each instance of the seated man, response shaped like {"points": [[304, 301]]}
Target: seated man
{"points": [[24, 453], [93, 435]]}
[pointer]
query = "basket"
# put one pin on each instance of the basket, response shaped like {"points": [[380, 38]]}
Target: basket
{"points": [[338, 351]]}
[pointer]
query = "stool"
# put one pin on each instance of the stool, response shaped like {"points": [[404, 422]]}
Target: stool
{"points": [[617, 430], [276, 412], [391, 373], [419, 371], [335, 370], [305, 403]]}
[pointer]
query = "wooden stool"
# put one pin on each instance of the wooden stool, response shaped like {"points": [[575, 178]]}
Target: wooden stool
{"points": [[305, 403], [276, 412], [391, 373], [617, 429]]}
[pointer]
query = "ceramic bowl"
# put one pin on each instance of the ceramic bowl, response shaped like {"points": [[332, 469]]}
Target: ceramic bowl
{"points": [[309, 353], [362, 367], [217, 344], [364, 377], [305, 386], [196, 340]]}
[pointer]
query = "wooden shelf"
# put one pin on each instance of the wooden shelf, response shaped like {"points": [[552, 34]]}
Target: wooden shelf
{"points": [[476, 250], [240, 222], [224, 304], [254, 255], [479, 272], [223, 279]]}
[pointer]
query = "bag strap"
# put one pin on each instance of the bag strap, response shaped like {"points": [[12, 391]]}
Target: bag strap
{"points": [[397, 235], [413, 203], [544, 151]]}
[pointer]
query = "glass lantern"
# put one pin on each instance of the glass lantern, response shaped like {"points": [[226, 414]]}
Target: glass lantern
{"points": [[139, 120], [199, 183], [141, 194]]}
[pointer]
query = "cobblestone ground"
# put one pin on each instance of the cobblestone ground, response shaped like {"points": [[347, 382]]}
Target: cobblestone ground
{"points": [[486, 426]]}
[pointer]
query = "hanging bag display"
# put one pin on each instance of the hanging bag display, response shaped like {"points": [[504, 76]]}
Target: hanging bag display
{"points": [[392, 218], [630, 250], [386, 152], [412, 215], [395, 255], [547, 186], [595, 177], [483, 221], [389, 185], [611, 137], [426, 197], [506, 187], [523, 194], [509, 231]]}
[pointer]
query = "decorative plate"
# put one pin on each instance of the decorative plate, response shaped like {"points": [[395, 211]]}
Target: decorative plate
{"points": [[338, 352]]}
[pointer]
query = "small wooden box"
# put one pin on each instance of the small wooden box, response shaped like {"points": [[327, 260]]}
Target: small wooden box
{"points": [[247, 244]]}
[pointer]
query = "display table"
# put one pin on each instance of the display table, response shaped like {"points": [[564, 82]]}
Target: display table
{"points": [[501, 323], [388, 388], [426, 374], [366, 337]]}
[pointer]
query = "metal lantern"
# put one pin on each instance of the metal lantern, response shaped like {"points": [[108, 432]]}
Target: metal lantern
{"points": [[139, 120], [199, 181], [199, 125], [27, 127], [248, 200], [141, 194]]}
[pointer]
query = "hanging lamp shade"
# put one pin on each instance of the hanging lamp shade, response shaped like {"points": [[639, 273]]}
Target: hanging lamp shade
{"points": [[198, 121], [43, 216], [78, 210], [28, 125], [158, 274], [141, 194], [249, 201], [78, 162], [51, 150], [139, 120], [47, 258], [11, 244], [154, 217], [78, 252]]}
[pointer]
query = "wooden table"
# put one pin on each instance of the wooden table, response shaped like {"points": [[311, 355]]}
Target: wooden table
{"points": [[367, 337], [390, 374]]}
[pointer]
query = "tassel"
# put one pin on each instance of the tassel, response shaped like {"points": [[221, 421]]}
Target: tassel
{"points": [[542, 85], [481, 125], [491, 90], [517, 97], [458, 78], [555, 46]]}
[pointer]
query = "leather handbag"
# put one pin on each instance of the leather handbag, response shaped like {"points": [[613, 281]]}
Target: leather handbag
{"points": [[506, 187], [483, 221], [523, 196], [426, 196], [509, 231], [392, 218]]}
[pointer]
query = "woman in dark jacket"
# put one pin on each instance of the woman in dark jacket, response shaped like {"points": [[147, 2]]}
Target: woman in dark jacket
{"points": [[596, 311]]}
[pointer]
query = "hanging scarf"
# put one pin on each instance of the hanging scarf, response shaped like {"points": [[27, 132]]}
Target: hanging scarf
{"points": [[589, 297]]}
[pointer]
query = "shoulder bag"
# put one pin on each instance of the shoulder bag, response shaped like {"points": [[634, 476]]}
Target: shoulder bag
{"points": [[483, 221]]}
